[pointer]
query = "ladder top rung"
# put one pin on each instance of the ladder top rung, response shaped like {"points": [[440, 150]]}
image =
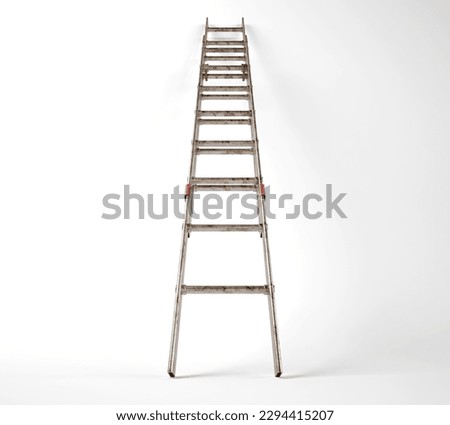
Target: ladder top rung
{"points": [[236, 76], [221, 289]]}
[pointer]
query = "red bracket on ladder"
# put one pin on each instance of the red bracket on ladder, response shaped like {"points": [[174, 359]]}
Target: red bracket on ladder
{"points": [[262, 191], [187, 193]]}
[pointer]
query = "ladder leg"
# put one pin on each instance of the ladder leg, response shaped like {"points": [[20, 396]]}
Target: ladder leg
{"points": [[276, 351], [171, 369], [175, 333], [187, 220], [274, 333]]}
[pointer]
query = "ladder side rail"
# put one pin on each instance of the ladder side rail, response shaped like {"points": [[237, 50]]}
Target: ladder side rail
{"points": [[187, 220], [262, 217]]}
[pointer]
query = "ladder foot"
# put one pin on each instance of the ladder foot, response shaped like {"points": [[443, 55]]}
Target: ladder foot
{"points": [[278, 374], [171, 374]]}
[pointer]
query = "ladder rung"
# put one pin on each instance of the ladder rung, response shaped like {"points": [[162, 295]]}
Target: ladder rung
{"points": [[228, 151], [224, 227], [236, 76], [224, 29], [225, 113], [225, 58], [225, 42], [220, 143], [225, 88], [224, 96], [224, 187], [213, 289], [224, 49], [224, 122], [224, 180], [224, 67]]}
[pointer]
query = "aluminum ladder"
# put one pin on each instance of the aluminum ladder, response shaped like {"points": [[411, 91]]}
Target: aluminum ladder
{"points": [[224, 60]]}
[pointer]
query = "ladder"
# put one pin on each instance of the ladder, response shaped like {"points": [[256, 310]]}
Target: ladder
{"points": [[225, 60]]}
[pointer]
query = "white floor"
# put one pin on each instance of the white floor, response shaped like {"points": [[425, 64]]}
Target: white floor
{"points": [[244, 384], [129, 388]]}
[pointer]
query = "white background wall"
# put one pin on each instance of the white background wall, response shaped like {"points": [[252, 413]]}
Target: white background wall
{"points": [[99, 94]]}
